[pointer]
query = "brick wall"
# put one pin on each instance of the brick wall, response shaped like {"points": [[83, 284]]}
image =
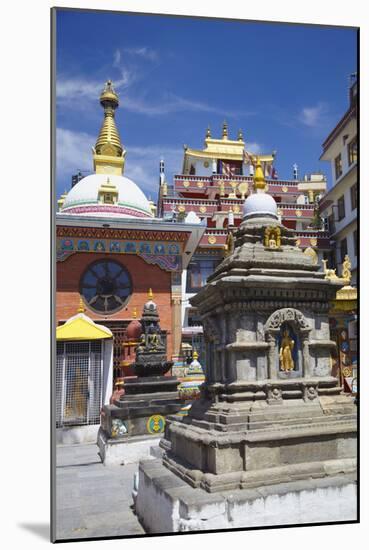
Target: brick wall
{"points": [[144, 276]]}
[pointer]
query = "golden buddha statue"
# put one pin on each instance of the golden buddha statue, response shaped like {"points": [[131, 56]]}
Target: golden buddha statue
{"points": [[285, 353]]}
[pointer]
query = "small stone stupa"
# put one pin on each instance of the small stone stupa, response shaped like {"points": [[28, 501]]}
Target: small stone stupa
{"points": [[132, 424], [272, 439]]}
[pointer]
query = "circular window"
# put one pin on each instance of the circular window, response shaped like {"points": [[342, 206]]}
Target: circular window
{"points": [[106, 286]]}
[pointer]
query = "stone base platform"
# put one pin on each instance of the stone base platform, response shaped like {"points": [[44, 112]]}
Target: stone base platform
{"points": [[117, 452], [166, 504]]}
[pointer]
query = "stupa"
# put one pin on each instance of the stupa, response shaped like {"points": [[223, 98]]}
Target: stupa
{"points": [[272, 439], [133, 424]]}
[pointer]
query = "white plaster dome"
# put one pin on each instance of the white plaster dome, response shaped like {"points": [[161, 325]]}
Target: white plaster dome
{"points": [[260, 205], [84, 199]]}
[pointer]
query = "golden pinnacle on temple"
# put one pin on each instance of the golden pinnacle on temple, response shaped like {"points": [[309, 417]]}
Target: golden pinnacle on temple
{"points": [[195, 355], [240, 135], [109, 135], [150, 294], [208, 133], [134, 313], [225, 130], [259, 180], [81, 306]]}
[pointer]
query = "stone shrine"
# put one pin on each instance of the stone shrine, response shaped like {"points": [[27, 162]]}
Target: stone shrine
{"points": [[272, 439], [134, 422]]}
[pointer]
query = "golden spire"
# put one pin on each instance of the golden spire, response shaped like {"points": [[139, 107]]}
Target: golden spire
{"points": [[259, 180], [240, 135], [134, 314], [208, 133], [195, 355], [150, 294], [81, 307], [225, 130], [108, 153]]}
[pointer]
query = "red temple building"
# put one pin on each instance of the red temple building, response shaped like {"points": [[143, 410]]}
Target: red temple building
{"points": [[213, 185]]}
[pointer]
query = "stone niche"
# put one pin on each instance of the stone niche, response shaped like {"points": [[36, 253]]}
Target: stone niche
{"points": [[270, 412]]}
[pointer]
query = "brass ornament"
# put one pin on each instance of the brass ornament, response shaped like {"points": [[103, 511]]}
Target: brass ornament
{"points": [[181, 209], [272, 237], [186, 183], [202, 209], [284, 189], [200, 184], [298, 213], [212, 239], [313, 241], [285, 353], [206, 164]]}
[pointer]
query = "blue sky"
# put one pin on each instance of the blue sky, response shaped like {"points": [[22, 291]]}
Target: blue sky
{"points": [[286, 86]]}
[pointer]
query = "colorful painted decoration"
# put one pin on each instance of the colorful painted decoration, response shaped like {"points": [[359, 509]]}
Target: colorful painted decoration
{"points": [[130, 247], [114, 246], [145, 248], [67, 244], [99, 246], [83, 245], [156, 424]]}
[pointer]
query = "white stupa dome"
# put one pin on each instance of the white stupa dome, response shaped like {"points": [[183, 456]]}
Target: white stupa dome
{"points": [[83, 198], [260, 205]]}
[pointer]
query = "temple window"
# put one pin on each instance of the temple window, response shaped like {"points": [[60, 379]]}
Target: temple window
{"points": [[108, 198], [352, 151], [341, 208], [338, 166]]}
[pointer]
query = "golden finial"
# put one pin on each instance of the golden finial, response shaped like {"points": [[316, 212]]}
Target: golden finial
{"points": [[240, 135], [109, 149], [195, 355], [208, 133], [134, 314], [259, 181], [81, 307], [150, 294], [225, 130]]}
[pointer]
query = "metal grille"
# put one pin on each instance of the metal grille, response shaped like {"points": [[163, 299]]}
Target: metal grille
{"points": [[78, 383]]}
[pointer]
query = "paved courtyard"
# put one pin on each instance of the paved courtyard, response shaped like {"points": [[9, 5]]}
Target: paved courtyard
{"points": [[93, 500]]}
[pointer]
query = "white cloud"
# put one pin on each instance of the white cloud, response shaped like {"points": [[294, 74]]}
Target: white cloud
{"points": [[143, 52], [254, 147], [71, 89], [73, 152], [313, 116]]}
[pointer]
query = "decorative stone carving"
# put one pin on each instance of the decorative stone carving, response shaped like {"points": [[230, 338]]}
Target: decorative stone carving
{"points": [[281, 316]]}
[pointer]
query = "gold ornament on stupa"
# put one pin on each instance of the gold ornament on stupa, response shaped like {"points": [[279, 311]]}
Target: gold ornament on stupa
{"points": [[109, 154], [259, 180]]}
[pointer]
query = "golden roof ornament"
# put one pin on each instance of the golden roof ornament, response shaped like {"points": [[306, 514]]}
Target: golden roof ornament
{"points": [[150, 294], [134, 314], [240, 135], [208, 133], [259, 180], [108, 152], [225, 130], [195, 355]]}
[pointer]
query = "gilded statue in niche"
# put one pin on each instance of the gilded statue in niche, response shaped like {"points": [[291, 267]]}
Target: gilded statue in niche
{"points": [[285, 353], [272, 237]]}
